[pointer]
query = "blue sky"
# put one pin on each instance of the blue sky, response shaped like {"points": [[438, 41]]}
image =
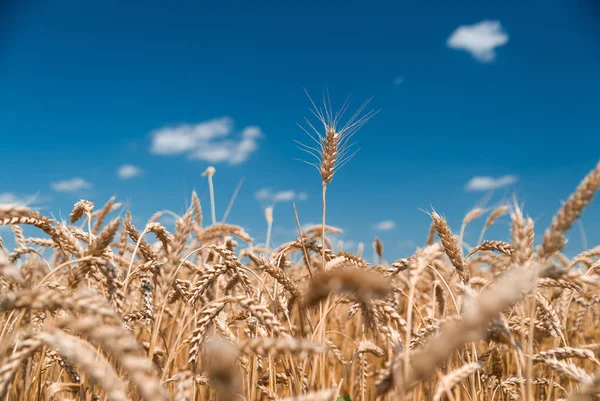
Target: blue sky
{"points": [[501, 89]]}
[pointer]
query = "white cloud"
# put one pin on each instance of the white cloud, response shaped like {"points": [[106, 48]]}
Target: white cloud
{"points": [[12, 199], [479, 39], [385, 225], [263, 194], [284, 196], [129, 171], [279, 196], [71, 185], [398, 80], [186, 137], [484, 183], [210, 141]]}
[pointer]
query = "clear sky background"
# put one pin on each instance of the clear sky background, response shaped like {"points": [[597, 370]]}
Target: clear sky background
{"points": [[507, 91]]}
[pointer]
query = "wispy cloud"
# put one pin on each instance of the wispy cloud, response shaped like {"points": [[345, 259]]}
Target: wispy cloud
{"points": [[213, 141], [386, 225], [479, 39], [398, 80], [12, 199], [288, 195], [127, 171], [484, 183], [71, 185]]}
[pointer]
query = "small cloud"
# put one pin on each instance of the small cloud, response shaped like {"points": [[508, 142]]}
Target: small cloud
{"points": [[12, 199], [127, 171], [398, 80], [484, 183], [251, 132], [213, 141], [263, 194], [284, 196], [479, 39], [279, 196], [385, 225], [71, 185]]}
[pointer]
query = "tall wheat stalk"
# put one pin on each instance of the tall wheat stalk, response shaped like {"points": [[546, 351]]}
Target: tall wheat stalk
{"points": [[333, 148]]}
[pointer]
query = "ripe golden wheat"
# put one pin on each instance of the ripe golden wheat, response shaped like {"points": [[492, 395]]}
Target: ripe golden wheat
{"points": [[99, 309]]}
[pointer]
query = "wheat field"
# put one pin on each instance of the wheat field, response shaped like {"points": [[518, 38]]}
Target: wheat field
{"points": [[99, 309]]}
